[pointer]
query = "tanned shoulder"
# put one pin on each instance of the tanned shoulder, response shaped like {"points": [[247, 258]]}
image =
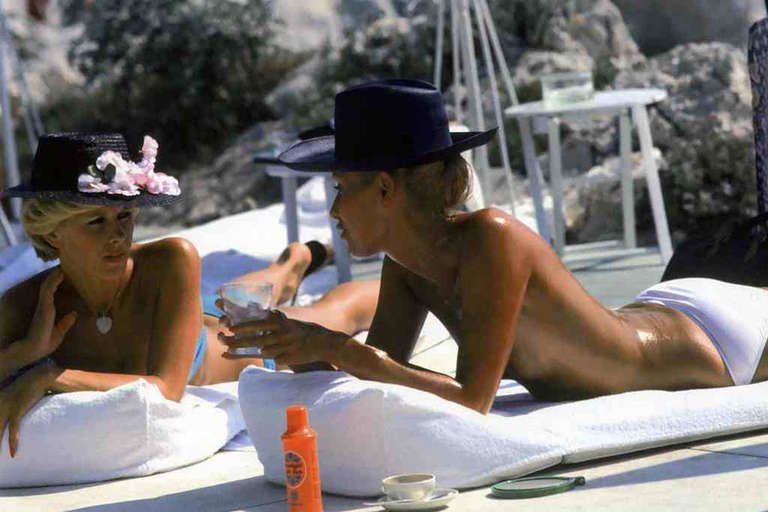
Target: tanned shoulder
{"points": [[170, 260], [492, 229], [171, 249]]}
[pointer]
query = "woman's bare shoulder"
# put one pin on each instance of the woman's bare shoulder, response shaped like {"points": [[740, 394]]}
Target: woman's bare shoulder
{"points": [[167, 251], [496, 230], [167, 262]]}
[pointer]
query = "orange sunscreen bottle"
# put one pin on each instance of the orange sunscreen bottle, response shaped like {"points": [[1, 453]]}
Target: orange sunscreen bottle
{"points": [[302, 472]]}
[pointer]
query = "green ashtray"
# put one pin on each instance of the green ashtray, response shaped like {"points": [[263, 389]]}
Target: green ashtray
{"points": [[535, 486]]}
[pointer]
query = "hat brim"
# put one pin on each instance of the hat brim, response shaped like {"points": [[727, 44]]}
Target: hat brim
{"points": [[102, 199], [319, 154]]}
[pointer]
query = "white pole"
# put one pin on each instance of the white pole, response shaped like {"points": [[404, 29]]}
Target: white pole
{"points": [[455, 39], [481, 152], [439, 43], [496, 105], [9, 141], [32, 123], [499, 53]]}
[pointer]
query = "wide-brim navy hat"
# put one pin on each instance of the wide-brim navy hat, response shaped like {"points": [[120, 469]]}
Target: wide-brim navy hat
{"points": [[270, 157], [386, 124], [60, 160]]}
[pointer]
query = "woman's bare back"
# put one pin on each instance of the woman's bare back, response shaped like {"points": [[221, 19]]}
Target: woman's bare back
{"points": [[567, 345]]}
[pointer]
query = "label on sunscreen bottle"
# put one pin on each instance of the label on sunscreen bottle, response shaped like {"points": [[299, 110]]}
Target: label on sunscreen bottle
{"points": [[302, 472]]}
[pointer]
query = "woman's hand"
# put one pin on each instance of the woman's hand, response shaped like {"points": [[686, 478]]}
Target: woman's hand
{"points": [[45, 334], [288, 342], [19, 397]]}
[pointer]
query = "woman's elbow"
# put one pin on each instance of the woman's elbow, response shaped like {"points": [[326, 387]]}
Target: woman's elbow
{"points": [[480, 404], [168, 390], [173, 395], [481, 407]]}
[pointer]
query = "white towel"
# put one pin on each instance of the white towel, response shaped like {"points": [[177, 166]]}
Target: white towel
{"points": [[368, 430], [131, 430]]}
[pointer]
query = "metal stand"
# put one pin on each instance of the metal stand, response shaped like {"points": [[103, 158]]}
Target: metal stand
{"points": [[465, 71], [32, 123]]}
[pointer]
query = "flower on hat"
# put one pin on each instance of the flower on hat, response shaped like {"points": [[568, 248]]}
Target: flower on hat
{"points": [[113, 175]]}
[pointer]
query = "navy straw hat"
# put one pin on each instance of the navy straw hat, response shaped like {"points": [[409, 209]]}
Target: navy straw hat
{"points": [[62, 158], [386, 124]]}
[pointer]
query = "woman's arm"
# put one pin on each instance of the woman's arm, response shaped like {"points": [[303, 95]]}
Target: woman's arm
{"points": [[398, 320], [178, 314], [28, 327], [66, 380], [495, 268]]}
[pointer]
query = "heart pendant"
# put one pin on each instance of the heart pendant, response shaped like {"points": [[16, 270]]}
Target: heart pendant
{"points": [[104, 324]]}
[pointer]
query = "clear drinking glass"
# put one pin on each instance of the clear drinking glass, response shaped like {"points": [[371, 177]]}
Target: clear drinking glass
{"points": [[244, 302], [560, 89]]}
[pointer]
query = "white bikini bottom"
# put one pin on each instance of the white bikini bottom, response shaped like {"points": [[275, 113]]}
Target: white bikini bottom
{"points": [[735, 317]]}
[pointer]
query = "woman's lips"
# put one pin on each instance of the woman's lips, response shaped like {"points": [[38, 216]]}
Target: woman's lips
{"points": [[115, 256]]}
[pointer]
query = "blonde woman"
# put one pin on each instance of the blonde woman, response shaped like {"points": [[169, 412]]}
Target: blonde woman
{"points": [[511, 305], [114, 311]]}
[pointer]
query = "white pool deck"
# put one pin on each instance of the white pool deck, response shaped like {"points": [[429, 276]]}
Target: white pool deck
{"points": [[728, 473]]}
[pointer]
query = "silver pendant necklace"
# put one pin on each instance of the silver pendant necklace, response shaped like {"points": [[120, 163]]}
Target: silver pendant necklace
{"points": [[103, 323], [104, 320]]}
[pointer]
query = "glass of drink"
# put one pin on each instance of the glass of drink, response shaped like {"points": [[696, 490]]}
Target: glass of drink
{"points": [[245, 302], [560, 89]]}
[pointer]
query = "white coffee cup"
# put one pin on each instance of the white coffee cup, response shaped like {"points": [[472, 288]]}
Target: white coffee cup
{"points": [[410, 486]]}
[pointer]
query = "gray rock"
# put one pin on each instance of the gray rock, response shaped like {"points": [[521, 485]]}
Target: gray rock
{"points": [[590, 27], [704, 130], [232, 184], [592, 201], [44, 47], [578, 36], [306, 27], [310, 24], [535, 63], [598, 30], [660, 25]]}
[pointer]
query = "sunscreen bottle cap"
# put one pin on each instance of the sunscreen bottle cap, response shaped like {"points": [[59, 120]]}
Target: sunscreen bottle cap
{"points": [[297, 419]]}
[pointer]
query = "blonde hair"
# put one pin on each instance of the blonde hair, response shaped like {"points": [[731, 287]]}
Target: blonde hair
{"points": [[436, 189], [41, 217]]}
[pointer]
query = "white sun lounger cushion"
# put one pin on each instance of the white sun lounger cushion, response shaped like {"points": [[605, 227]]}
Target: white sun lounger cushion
{"points": [[369, 430], [131, 430]]}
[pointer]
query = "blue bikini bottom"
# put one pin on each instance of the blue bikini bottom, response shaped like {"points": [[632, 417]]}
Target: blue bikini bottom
{"points": [[209, 308]]}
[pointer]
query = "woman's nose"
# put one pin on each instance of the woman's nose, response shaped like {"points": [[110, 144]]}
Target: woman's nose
{"points": [[117, 233]]}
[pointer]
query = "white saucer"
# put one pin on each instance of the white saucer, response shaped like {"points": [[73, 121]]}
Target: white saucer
{"points": [[439, 498]]}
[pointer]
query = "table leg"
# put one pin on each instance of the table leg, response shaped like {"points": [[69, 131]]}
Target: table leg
{"points": [[10, 237], [288, 186], [556, 184], [640, 115], [627, 186], [535, 180], [341, 256]]}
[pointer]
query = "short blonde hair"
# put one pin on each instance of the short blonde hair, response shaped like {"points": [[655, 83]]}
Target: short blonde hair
{"points": [[41, 217], [439, 188]]}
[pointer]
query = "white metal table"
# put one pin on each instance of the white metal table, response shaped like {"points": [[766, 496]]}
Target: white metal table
{"points": [[623, 103], [288, 183]]}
